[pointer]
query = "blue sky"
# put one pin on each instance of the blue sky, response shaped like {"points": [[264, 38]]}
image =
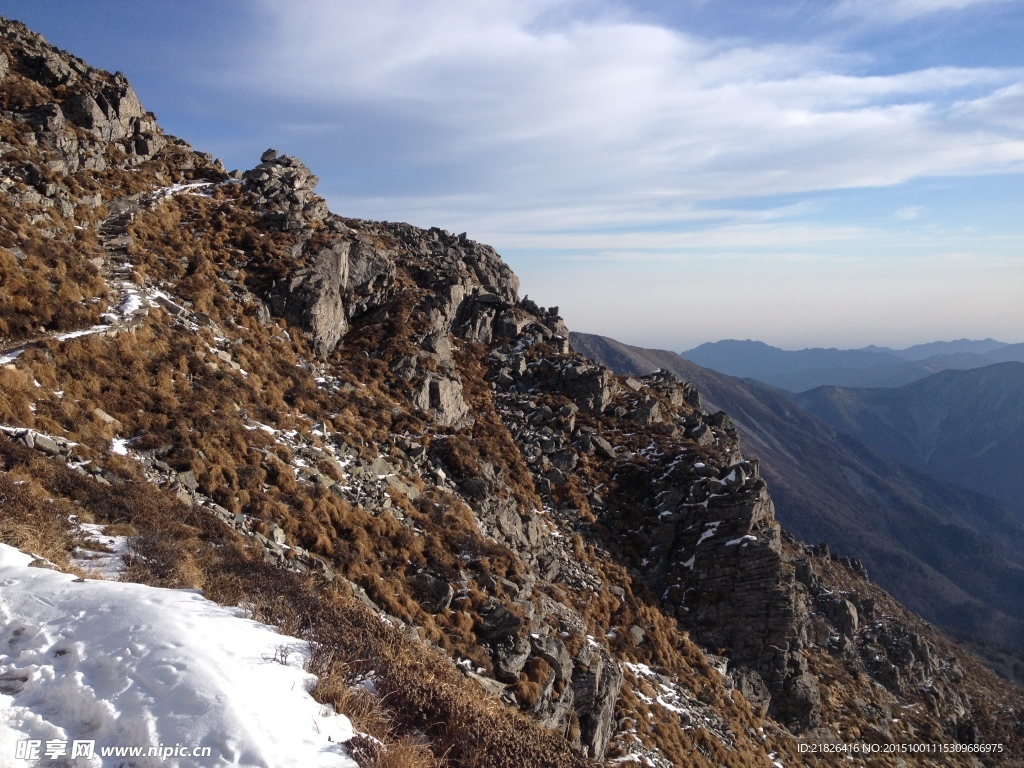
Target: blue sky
{"points": [[829, 173]]}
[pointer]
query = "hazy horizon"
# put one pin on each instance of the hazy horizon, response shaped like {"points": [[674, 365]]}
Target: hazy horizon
{"points": [[841, 173], [672, 347]]}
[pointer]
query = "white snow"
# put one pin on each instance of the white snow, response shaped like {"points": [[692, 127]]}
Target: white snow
{"points": [[84, 332], [119, 445], [128, 665], [174, 189], [11, 355], [741, 540], [711, 530], [106, 565], [132, 302]]}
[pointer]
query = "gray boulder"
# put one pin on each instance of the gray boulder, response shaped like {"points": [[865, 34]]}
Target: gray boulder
{"points": [[596, 681], [500, 625], [441, 396], [510, 658], [434, 595]]}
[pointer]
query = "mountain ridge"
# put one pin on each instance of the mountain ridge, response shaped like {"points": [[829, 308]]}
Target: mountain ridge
{"points": [[923, 425], [806, 369], [817, 505], [359, 430]]}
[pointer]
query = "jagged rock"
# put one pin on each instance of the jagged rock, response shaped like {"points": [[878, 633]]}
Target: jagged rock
{"points": [[554, 652], [314, 297], [491, 686], [439, 344], [371, 274], [569, 621], [589, 386], [281, 179], [475, 320], [4, 63], [602, 447], [499, 625], [841, 612], [511, 322], [510, 658], [442, 398], [49, 69], [380, 467], [751, 686], [400, 486], [188, 480], [114, 114], [722, 551], [596, 682], [647, 414], [564, 460], [45, 444], [435, 594]]}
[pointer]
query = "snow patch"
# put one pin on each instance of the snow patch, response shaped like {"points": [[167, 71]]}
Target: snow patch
{"points": [[131, 665], [710, 530], [744, 540]]}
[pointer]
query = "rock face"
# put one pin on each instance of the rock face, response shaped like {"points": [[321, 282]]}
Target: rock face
{"points": [[114, 114], [595, 692], [104, 106], [442, 397], [712, 548], [473, 290]]}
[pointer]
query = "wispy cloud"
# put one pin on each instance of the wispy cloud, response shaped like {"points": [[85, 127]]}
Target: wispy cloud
{"points": [[902, 10], [674, 164], [548, 105], [909, 212]]}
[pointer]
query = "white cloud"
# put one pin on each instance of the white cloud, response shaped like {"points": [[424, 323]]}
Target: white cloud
{"points": [[902, 10], [561, 131], [547, 108], [1004, 107]]}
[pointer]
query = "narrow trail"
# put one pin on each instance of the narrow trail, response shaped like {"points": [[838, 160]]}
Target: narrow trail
{"points": [[129, 302]]}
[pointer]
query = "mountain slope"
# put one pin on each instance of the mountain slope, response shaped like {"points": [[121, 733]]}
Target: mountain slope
{"points": [[500, 553], [963, 427], [805, 369], [951, 555]]}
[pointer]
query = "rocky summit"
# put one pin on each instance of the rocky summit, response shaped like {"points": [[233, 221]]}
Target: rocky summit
{"points": [[363, 433]]}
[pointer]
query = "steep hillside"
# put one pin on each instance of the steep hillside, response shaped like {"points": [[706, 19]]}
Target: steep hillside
{"points": [[501, 553], [963, 427], [950, 554]]}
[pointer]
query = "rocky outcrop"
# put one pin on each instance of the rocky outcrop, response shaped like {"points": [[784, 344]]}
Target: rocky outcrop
{"points": [[716, 556], [95, 118], [313, 297], [595, 683], [472, 292], [113, 114], [285, 186], [442, 397]]}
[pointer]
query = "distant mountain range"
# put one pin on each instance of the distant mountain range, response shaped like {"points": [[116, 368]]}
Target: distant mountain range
{"points": [[801, 370], [967, 425], [952, 554]]}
